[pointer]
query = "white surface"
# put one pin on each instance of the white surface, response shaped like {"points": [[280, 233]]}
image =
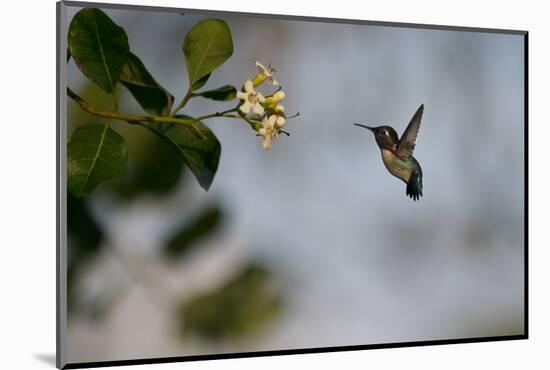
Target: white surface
{"points": [[28, 187]]}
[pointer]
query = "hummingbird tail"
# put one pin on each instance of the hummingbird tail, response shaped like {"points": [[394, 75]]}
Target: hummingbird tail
{"points": [[414, 186]]}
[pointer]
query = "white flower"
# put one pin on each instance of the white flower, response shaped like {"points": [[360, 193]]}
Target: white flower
{"points": [[281, 117], [281, 121], [265, 74], [251, 98], [280, 109], [279, 95], [272, 102], [268, 130]]}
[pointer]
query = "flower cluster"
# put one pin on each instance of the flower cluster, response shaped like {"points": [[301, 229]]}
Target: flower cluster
{"points": [[265, 114]]}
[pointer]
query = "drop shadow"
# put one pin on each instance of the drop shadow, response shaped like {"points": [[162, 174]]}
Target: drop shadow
{"points": [[48, 358]]}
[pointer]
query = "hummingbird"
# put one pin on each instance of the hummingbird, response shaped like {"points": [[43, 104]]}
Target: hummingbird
{"points": [[397, 153]]}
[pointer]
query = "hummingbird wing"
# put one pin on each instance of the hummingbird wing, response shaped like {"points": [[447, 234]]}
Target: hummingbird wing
{"points": [[406, 144]]}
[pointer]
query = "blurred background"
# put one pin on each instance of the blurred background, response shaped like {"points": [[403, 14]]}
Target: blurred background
{"points": [[311, 243]]}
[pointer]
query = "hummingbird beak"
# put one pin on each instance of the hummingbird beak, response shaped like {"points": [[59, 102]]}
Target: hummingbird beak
{"points": [[367, 127]]}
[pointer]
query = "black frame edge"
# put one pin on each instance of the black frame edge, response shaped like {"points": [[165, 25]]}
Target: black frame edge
{"points": [[221, 356], [526, 183], [58, 363]]}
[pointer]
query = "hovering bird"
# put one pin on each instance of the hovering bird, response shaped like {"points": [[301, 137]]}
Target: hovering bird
{"points": [[397, 154]]}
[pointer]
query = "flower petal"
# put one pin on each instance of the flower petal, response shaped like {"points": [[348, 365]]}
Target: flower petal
{"points": [[280, 108], [266, 142], [271, 120], [279, 95], [281, 121], [248, 86], [245, 107], [258, 109], [261, 67]]}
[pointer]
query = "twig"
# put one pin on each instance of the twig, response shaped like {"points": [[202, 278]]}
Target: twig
{"points": [[130, 118], [183, 102], [219, 114]]}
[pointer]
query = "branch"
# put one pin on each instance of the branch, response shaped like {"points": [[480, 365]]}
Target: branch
{"points": [[184, 101], [219, 114], [130, 118]]}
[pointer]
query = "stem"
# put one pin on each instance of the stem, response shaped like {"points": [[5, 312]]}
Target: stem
{"points": [[219, 114], [130, 118], [115, 101], [251, 123], [184, 101], [232, 116]]}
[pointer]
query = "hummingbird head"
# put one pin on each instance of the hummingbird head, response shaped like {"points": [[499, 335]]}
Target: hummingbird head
{"points": [[385, 136]]}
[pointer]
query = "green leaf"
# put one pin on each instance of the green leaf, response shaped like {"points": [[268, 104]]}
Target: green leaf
{"points": [[200, 82], [95, 153], [98, 46], [152, 97], [207, 46], [200, 226], [201, 156], [223, 93]]}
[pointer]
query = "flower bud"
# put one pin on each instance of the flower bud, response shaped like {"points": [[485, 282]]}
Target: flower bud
{"points": [[258, 79], [279, 95], [272, 102], [266, 73]]}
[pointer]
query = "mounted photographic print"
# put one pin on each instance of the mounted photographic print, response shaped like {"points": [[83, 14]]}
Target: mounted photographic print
{"points": [[235, 184]]}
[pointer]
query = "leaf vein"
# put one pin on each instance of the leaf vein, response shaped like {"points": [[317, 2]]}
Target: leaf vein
{"points": [[101, 52], [96, 156]]}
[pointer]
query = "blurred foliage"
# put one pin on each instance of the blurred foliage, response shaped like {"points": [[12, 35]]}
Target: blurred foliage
{"points": [[85, 240], [207, 221], [156, 170], [241, 307], [147, 155]]}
